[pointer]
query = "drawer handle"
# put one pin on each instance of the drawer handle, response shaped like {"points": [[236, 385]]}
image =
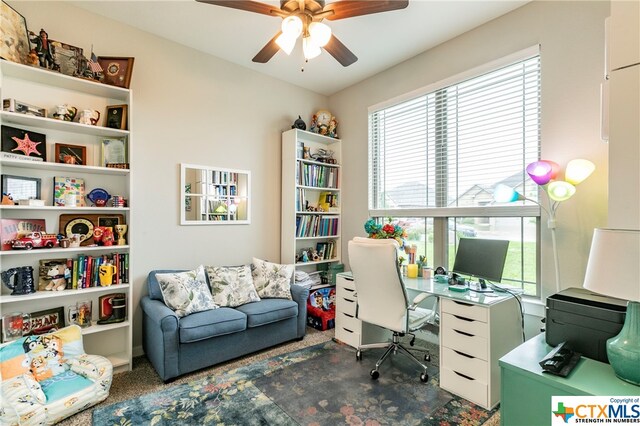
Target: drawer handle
{"points": [[463, 354], [465, 376], [462, 303], [347, 315], [346, 329], [463, 318], [463, 333], [348, 289], [348, 278], [349, 300]]}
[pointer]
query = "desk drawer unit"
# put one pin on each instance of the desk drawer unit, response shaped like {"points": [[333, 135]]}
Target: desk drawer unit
{"points": [[348, 327], [472, 339]]}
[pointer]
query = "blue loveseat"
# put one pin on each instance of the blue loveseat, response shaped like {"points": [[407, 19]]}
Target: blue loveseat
{"points": [[176, 346]]}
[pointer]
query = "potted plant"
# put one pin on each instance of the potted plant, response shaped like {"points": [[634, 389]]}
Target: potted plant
{"points": [[422, 263]]}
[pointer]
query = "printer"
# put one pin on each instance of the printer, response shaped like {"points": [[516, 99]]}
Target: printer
{"points": [[585, 320]]}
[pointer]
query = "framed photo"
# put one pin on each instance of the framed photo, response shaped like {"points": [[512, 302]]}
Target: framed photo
{"points": [[21, 187], [114, 152], [14, 38], [67, 57], [116, 117], [117, 71], [46, 321], [71, 154], [23, 142]]}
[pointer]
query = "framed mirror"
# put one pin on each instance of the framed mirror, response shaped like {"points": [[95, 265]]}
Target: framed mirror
{"points": [[214, 195]]}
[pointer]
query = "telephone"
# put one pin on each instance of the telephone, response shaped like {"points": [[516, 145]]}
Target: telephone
{"points": [[560, 361]]}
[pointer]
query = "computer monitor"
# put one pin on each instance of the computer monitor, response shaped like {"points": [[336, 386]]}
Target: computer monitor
{"points": [[481, 258]]}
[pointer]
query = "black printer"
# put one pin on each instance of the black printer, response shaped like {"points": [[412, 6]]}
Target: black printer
{"points": [[585, 320]]}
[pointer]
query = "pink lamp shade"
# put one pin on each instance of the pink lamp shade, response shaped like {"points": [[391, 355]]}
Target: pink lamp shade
{"points": [[541, 172]]}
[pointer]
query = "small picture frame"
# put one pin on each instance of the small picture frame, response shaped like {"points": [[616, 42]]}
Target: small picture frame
{"points": [[116, 117], [68, 58], [14, 37], [21, 187], [114, 152], [47, 320], [71, 154], [24, 143], [117, 70]]}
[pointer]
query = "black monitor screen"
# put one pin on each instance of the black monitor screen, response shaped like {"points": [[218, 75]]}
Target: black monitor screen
{"points": [[481, 258]]}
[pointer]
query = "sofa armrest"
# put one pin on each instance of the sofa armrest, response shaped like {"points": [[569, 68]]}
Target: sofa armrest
{"points": [[23, 400], [300, 295], [161, 337]]}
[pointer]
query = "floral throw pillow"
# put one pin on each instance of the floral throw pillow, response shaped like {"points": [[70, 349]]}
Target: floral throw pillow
{"points": [[272, 280], [186, 292], [232, 286]]}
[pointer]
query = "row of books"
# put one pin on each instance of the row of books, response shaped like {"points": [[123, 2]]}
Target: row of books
{"points": [[317, 176], [316, 226], [326, 250], [222, 190], [223, 178], [84, 271], [328, 201]]}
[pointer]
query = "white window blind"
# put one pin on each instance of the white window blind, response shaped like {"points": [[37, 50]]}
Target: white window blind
{"points": [[447, 149]]}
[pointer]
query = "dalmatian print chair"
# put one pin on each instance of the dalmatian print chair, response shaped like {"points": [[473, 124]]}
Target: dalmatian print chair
{"points": [[47, 378]]}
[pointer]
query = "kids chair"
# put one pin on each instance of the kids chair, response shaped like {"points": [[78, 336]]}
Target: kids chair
{"points": [[47, 378], [383, 299]]}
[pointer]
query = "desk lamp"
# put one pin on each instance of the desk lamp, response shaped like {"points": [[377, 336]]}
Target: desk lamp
{"points": [[544, 174], [614, 270]]}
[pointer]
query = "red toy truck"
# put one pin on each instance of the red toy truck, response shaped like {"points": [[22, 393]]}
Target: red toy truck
{"points": [[35, 240]]}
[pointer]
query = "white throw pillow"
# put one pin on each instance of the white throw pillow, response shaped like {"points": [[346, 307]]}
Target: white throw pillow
{"points": [[272, 280], [186, 292], [232, 286]]}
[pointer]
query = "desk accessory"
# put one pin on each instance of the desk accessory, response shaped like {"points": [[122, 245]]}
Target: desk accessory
{"points": [[620, 248], [560, 361], [458, 287]]}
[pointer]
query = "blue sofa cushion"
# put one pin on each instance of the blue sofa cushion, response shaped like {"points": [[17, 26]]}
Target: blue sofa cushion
{"points": [[268, 310], [206, 324]]}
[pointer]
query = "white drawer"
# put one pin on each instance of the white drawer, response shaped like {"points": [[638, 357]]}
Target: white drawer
{"points": [[477, 328], [469, 366], [345, 283], [346, 293], [349, 322], [461, 341], [466, 387], [348, 337], [463, 309], [348, 306]]}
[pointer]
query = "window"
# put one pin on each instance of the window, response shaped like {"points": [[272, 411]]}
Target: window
{"points": [[436, 156]]}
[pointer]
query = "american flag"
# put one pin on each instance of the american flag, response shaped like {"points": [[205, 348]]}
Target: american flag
{"points": [[94, 65]]}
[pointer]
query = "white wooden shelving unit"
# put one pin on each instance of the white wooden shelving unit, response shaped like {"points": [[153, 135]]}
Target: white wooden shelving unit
{"points": [[47, 89], [295, 186]]}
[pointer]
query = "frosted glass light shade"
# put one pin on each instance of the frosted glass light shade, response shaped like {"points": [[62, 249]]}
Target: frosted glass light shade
{"points": [[292, 26], [560, 190], [310, 49], [613, 268], [505, 194], [320, 33], [540, 172], [286, 42], [578, 170]]}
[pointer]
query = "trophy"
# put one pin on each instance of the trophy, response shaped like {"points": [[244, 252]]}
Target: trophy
{"points": [[121, 230]]}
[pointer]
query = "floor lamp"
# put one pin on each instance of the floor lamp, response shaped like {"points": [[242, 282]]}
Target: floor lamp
{"points": [[545, 173]]}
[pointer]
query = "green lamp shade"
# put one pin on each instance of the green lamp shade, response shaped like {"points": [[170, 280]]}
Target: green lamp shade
{"points": [[578, 170], [560, 190]]}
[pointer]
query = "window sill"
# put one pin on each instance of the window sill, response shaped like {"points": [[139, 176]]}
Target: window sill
{"points": [[535, 307]]}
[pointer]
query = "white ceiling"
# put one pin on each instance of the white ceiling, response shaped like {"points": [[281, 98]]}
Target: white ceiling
{"points": [[379, 40]]}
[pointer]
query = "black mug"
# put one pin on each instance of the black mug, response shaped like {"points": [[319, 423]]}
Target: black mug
{"points": [[22, 280]]}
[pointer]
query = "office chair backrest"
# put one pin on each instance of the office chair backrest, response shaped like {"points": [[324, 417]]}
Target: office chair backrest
{"points": [[382, 298]]}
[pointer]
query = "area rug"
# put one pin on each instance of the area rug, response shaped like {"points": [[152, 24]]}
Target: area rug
{"points": [[320, 385]]}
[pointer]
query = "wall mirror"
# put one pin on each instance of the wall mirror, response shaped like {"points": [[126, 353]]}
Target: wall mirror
{"points": [[214, 195]]}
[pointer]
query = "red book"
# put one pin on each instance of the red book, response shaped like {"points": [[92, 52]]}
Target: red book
{"points": [[87, 272]]}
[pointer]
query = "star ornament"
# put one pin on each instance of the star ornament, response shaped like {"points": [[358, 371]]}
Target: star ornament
{"points": [[26, 145]]}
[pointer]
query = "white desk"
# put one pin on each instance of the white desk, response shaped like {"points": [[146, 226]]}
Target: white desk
{"points": [[476, 329]]}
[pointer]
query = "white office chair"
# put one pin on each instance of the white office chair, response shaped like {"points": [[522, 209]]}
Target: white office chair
{"points": [[383, 300]]}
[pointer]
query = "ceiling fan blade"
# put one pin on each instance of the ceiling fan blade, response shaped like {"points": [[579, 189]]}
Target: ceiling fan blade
{"points": [[250, 6], [350, 8], [339, 51], [267, 52]]}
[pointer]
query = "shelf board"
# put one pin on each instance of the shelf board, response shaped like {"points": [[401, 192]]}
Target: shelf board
{"points": [[7, 298], [318, 188], [318, 237], [314, 137], [52, 78], [318, 262], [46, 251], [318, 163], [98, 328], [118, 359], [320, 213], [72, 168], [65, 126], [68, 209]]}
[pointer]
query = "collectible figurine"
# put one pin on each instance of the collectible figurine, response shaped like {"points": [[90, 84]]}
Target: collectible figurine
{"points": [[314, 124], [299, 124], [43, 48], [333, 132]]}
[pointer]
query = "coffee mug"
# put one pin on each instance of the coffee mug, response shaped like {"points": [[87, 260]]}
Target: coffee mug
{"points": [[89, 117]]}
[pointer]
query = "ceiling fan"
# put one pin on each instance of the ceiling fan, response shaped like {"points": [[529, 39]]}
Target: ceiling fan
{"points": [[304, 18]]}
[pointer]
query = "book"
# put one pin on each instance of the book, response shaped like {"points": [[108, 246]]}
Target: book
{"points": [[63, 186]]}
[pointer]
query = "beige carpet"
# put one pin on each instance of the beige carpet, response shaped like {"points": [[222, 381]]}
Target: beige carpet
{"points": [[143, 379]]}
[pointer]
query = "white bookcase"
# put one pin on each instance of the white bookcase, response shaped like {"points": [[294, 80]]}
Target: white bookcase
{"points": [[48, 89], [307, 184]]}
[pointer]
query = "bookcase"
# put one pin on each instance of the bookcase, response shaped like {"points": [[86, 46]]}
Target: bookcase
{"points": [[48, 90], [311, 213]]}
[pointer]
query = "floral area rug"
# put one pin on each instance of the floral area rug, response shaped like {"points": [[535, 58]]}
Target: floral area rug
{"points": [[320, 385]]}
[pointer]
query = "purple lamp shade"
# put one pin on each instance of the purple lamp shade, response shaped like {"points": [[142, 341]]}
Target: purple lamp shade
{"points": [[540, 172]]}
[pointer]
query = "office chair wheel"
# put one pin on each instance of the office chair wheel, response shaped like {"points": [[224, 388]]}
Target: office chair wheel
{"points": [[427, 358], [424, 377], [359, 355], [375, 374]]}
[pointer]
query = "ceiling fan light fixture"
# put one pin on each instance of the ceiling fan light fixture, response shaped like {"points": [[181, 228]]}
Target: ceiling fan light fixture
{"points": [[310, 48], [292, 26], [320, 33], [286, 42]]}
